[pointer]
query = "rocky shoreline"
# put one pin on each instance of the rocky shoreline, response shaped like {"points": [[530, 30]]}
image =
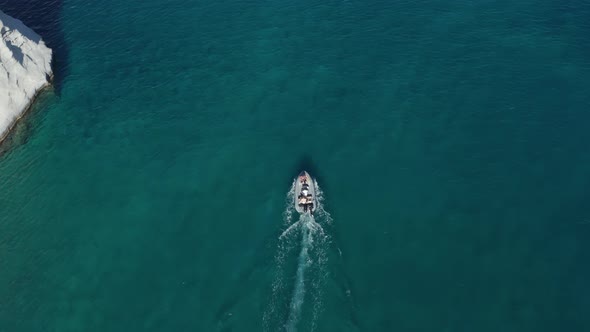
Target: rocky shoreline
{"points": [[25, 71]]}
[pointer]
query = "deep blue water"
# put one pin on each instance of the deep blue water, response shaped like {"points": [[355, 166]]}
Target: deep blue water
{"points": [[147, 191]]}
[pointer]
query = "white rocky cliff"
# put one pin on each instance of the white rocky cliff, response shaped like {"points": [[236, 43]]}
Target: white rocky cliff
{"points": [[25, 68]]}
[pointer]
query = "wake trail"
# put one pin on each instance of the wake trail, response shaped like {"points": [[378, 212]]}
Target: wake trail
{"points": [[285, 245], [304, 261], [310, 270]]}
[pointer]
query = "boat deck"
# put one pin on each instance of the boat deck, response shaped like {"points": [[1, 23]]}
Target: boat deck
{"points": [[311, 190]]}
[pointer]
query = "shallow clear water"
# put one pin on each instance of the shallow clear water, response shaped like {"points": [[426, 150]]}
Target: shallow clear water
{"points": [[450, 139]]}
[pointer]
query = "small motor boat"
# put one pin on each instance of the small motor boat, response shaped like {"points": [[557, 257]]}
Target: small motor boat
{"points": [[305, 198]]}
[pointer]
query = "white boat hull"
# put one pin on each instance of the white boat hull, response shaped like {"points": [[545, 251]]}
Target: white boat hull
{"points": [[305, 178]]}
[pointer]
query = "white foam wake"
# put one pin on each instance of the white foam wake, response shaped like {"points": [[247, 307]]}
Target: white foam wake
{"points": [[311, 268], [285, 245], [304, 261]]}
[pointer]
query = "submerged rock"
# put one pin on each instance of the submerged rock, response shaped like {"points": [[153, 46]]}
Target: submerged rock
{"points": [[25, 68]]}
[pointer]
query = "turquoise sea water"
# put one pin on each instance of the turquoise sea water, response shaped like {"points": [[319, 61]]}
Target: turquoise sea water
{"points": [[450, 140]]}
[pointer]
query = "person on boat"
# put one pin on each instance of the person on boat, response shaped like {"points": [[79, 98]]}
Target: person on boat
{"points": [[302, 201], [307, 201]]}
